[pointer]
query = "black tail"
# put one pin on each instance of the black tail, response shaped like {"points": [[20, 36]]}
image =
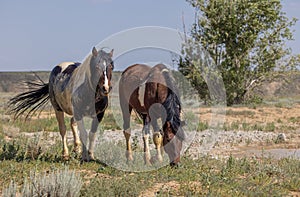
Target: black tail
{"points": [[29, 101]]}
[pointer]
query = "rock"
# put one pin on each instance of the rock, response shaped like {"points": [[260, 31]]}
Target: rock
{"points": [[281, 138]]}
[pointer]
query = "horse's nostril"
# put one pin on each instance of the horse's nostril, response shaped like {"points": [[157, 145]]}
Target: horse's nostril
{"points": [[106, 89]]}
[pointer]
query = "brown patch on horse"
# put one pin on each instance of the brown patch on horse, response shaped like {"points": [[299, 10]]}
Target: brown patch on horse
{"points": [[133, 77]]}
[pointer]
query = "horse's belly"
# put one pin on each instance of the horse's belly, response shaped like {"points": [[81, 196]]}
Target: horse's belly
{"points": [[64, 101]]}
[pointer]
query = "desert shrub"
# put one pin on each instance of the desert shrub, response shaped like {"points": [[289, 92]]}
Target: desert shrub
{"points": [[11, 191], [58, 183]]}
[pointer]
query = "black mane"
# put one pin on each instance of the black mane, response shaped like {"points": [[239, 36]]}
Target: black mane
{"points": [[172, 104]]}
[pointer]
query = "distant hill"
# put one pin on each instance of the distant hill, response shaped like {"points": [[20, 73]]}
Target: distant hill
{"points": [[15, 81], [286, 86]]}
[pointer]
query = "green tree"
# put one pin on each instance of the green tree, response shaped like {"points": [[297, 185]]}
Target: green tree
{"points": [[246, 41]]}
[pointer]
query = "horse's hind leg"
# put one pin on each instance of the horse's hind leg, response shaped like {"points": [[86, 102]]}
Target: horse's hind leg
{"points": [[62, 130], [158, 141], [126, 111], [146, 134], [77, 143]]}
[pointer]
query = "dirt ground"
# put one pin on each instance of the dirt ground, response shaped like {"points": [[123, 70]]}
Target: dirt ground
{"points": [[248, 131]]}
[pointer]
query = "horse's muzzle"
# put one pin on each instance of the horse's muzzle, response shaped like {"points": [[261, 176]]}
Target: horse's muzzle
{"points": [[106, 90]]}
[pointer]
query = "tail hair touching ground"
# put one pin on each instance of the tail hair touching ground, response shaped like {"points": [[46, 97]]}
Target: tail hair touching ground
{"points": [[29, 102]]}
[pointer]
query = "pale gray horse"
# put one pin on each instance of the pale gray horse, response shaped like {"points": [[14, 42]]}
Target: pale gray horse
{"points": [[76, 89]]}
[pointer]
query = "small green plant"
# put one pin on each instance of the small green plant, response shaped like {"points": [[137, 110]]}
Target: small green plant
{"points": [[294, 119], [248, 113], [35, 125], [235, 125], [257, 127], [10, 150], [270, 126], [248, 141], [279, 105], [202, 126], [246, 126]]}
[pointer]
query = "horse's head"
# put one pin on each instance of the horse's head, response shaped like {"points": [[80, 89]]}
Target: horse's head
{"points": [[101, 68], [172, 141]]}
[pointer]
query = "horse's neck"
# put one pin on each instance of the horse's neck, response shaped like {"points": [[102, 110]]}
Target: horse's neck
{"points": [[78, 79]]}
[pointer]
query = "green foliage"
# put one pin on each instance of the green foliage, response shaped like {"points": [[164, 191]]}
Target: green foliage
{"points": [[201, 177], [28, 149], [202, 126], [39, 124], [125, 186], [245, 40]]}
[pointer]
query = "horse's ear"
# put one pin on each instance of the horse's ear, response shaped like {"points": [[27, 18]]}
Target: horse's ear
{"points": [[94, 51], [111, 53]]}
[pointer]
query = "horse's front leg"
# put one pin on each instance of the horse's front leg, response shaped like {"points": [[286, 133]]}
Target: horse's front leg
{"points": [[83, 138], [92, 135], [146, 134]]}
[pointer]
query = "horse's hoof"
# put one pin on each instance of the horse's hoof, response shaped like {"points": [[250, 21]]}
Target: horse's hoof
{"points": [[156, 159], [77, 150], [129, 162], [174, 165], [92, 159], [129, 156], [148, 162], [153, 160], [84, 160], [66, 157]]}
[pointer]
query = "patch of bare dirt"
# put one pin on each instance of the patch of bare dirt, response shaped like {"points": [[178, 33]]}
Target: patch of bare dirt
{"points": [[284, 116]]}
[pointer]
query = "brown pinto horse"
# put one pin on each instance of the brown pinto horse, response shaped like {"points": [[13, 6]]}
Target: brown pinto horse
{"points": [[76, 89], [151, 92]]}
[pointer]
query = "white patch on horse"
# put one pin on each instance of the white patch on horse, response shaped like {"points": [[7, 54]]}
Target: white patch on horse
{"points": [[65, 65], [62, 95], [106, 86], [141, 97], [164, 70]]}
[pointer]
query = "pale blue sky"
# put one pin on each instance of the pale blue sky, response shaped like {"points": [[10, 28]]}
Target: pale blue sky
{"points": [[37, 34]]}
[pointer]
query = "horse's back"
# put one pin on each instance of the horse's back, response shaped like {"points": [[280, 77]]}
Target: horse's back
{"points": [[64, 68], [136, 70], [138, 74], [133, 77]]}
